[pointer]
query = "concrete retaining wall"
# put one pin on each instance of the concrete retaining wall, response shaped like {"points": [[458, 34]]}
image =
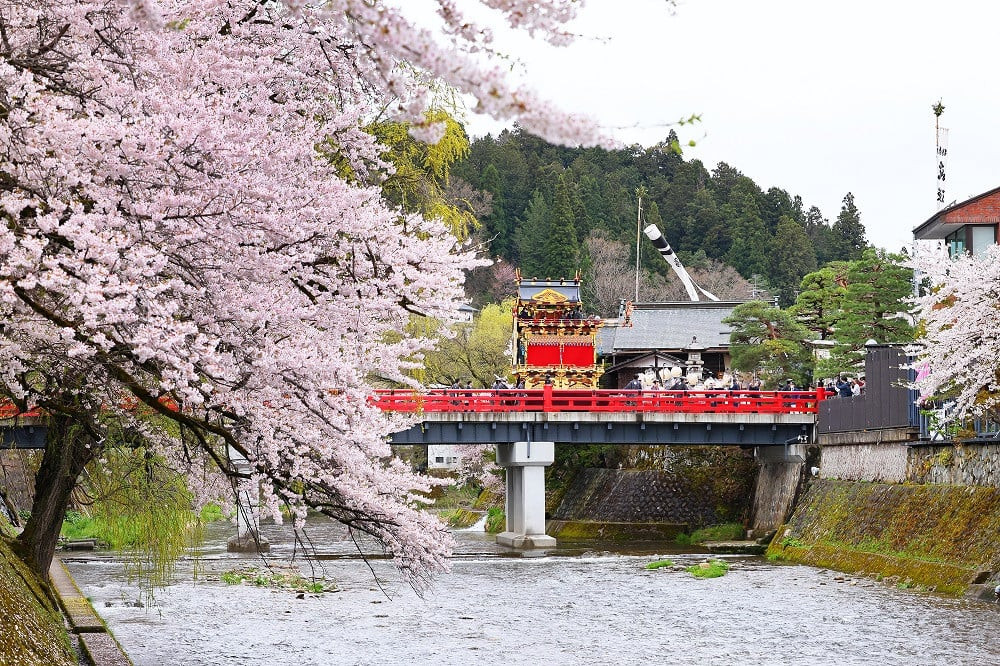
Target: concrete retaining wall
{"points": [[774, 497], [17, 477], [674, 486], [865, 462], [963, 464], [635, 496]]}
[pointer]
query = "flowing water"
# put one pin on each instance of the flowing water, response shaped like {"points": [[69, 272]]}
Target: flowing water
{"points": [[578, 604]]}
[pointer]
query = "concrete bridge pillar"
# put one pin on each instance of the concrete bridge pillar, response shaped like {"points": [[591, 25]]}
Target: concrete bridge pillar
{"points": [[248, 538], [525, 463]]}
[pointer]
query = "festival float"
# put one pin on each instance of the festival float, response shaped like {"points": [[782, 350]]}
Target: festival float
{"points": [[554, 341]]}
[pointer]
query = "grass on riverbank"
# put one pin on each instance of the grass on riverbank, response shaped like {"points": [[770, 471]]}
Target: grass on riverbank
{"points": [[724, 532], [79, 526]]}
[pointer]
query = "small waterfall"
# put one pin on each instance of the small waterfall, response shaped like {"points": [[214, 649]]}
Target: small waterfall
{"points": [[479, 526]]}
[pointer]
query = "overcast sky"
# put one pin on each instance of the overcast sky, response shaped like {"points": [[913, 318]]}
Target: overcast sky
{"points": [[819, 99]]}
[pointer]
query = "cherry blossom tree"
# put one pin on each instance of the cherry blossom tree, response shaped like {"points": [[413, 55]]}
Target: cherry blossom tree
{"points": [[959, 355], [195, 246]]}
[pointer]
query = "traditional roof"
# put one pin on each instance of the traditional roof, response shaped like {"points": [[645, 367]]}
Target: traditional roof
{"points": [[646, 360], [549, 291], [981, 209], [669, 326]]}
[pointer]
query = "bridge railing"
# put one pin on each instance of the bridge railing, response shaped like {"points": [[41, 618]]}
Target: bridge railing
{"points": [[548, 399]]}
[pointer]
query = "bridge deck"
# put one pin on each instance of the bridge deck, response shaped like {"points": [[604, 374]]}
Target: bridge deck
{"points": [[455, 416], [601, 400], [762, 418]]}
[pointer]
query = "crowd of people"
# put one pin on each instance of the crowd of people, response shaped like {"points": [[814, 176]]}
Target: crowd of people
{"points": [[842, 386], [721, 382]]}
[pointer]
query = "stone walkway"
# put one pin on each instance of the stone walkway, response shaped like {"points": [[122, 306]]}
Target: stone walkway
{"points": [[98, 645]]}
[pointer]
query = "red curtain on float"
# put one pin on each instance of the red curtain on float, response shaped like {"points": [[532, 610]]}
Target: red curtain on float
{"points": [[543, 354], [578, 355], [575, 355]]}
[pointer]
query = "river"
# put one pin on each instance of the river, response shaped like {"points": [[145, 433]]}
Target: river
{"points": [[579, 604]]}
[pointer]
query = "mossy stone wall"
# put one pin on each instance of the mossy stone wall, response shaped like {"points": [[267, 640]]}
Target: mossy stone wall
{"points": [[938, 536], [690, 486], [31, 630], [962, 464]]}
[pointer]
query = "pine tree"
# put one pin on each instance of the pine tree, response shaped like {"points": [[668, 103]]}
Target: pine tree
{"points": [[874, 308], [849, 233], [767, 340], [820, 301]]}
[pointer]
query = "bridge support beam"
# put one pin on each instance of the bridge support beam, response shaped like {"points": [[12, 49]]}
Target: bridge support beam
{"points": [[525, 463], [248, 538]]}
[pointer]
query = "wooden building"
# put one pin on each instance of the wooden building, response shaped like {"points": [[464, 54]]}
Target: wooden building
{"points": [[968, 226], [660, 337]]}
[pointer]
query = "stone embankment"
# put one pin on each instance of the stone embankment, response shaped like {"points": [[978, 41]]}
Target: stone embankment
{"points": [[33, 631], [31, 628], [657, 493], [926, 516]]}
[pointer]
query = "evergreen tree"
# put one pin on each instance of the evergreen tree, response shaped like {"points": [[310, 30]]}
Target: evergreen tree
{"points": [[848, 232], [704, 227], [821, 294], [561, 249], [775, 205], [767, 341], [531, 235], [688, 181], [748, 252], [791, 257], [495, 225], [874, 308]]}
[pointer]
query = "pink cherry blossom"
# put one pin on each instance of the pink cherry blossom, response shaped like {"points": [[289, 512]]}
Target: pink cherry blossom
{"points": [[191, 210], [959, 357]]}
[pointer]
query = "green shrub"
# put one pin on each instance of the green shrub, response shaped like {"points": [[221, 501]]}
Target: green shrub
{"points": [[231, 578], [78, 526], [290, 580], [211, 513], [454, 497]]}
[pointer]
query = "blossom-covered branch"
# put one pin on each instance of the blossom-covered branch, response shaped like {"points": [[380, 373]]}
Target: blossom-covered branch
{"points": [[959, 312]]}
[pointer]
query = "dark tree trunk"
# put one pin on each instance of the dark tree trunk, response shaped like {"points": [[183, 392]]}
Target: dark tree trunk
{"points": [[68, 449]]}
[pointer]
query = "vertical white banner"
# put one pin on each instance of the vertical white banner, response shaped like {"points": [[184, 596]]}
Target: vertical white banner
{"points": [[942, 159]]}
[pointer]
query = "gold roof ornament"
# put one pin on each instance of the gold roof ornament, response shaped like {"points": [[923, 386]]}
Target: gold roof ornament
{"points": [[550, 296]]}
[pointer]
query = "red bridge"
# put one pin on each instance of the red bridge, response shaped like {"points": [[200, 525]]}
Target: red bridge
{"points": [[594, 416], [548, 399], [748, 418]]}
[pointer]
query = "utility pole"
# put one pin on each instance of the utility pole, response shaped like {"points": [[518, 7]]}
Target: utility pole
{"points": [[640, 192]]}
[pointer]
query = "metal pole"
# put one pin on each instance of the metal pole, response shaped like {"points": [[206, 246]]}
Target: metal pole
{"points": [[638, 225]]}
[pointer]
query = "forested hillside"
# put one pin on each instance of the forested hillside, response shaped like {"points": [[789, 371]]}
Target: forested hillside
{"points": [[557, 209]]}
